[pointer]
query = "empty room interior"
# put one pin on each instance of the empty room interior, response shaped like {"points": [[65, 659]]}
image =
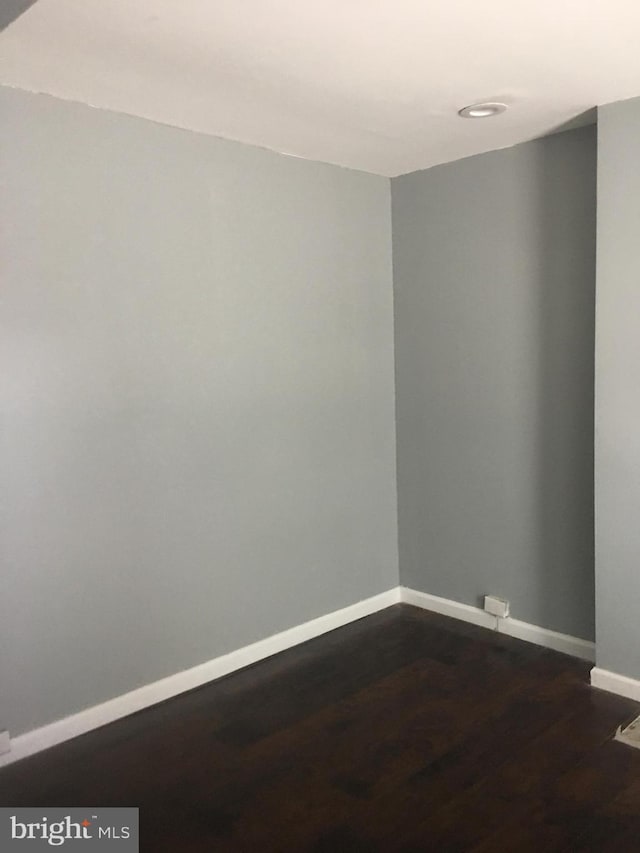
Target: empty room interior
{"points": [[320, 431]]}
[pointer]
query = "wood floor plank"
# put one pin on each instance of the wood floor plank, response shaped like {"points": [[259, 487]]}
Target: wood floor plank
{"points": [[403, 731]]}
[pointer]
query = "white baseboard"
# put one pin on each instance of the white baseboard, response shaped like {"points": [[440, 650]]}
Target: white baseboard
{"points": [[447, 607], [128, 703], [144, 697], [615, 683], [564, 643]]}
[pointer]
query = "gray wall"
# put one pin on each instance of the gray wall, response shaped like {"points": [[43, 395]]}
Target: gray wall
{"points": [[12, 9], [494, 321], [198, 442], [618, 390]]}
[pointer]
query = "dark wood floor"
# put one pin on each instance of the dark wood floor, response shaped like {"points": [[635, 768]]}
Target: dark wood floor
{"points": [[405, 731]]}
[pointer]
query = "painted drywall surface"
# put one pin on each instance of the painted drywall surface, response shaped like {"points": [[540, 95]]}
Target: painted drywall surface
{"points": [[618, 390], [494, 319], [198, 445]]}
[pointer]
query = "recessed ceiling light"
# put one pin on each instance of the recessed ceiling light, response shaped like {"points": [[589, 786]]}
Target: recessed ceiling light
{"points": [[482, 110]]}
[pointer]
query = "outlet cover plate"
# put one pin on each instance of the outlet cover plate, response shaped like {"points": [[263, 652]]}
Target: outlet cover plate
{"points": [[496, 606]]}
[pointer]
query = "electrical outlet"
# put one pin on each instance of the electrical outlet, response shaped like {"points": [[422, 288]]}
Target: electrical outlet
{"points": [[496, 606], [5, 742]]}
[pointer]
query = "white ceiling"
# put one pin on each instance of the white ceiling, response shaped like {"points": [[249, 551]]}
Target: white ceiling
{"points": [[370, 84]]}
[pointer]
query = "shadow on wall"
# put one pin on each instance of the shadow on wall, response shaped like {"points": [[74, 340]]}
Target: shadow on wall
{"points": [[494, 289], [12, 9], [565, 393], [588, 117]]}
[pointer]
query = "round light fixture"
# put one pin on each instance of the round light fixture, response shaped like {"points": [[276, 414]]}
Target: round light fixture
{"points": [[482, 110]]}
